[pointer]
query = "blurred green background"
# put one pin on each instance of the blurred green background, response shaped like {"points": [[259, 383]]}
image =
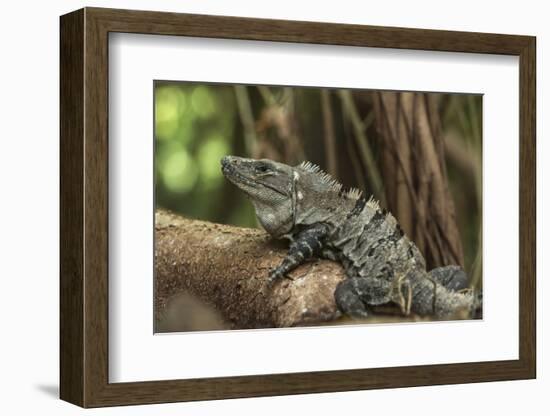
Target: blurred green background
{"points": [[196, 124]]}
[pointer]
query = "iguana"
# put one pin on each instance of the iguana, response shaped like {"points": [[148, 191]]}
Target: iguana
{"points": [[321, 219]]}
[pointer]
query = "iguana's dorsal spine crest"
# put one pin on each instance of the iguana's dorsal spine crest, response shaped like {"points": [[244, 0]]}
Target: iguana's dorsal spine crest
{"points": [[333, 184]]}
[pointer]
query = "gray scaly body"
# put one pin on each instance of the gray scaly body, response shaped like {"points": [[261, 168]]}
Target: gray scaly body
{"points": [[308, 207]]}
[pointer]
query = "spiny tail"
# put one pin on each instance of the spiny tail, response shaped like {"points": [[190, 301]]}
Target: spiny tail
{"points": [[431, 298]]}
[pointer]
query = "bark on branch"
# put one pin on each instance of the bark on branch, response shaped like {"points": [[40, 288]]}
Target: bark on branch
{"points": [[227, 267]]}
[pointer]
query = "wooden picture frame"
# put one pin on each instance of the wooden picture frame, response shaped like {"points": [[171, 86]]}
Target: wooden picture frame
{"points": [[84, 207]]}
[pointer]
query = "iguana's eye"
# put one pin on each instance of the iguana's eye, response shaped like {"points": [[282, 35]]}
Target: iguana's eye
{"points": [[262, 168]]}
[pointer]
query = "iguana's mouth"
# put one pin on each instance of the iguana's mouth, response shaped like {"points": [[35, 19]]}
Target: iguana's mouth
{"points": [[234, 175]]}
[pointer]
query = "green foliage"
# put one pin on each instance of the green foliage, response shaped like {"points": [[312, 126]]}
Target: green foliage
{"points": [[195, 126]]}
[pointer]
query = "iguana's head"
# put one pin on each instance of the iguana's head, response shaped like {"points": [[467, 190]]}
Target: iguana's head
{"points": [[269, 186], [286, 196]]}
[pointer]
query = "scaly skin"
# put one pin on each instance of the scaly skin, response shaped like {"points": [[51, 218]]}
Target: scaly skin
{"points": [[308, 207]]}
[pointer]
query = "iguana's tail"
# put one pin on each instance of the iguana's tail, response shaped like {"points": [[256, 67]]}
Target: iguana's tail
{"points": [[443, 293]]}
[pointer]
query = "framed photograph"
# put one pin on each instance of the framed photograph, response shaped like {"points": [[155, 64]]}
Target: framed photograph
{"points": [[255, 207]]}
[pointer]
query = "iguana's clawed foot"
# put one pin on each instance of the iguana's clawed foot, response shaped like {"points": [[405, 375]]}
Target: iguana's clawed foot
{"points": [[275, 275], [348, 301], [304, 246]]}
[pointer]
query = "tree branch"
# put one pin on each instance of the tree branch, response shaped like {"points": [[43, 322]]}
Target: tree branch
{"points": [[227, 267]]}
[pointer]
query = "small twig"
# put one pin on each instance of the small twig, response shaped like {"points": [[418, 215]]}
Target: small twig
{"points": [[247, 118], [267, 96], [356, 165], [368, 120], [330, 140], [409, 298]]}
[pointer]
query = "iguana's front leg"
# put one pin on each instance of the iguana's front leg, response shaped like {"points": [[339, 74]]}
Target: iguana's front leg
{"points": [[305, 245]]}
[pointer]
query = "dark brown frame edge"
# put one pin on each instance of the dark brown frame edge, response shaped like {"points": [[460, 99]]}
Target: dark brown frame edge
{"points": [[84, 207]]}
